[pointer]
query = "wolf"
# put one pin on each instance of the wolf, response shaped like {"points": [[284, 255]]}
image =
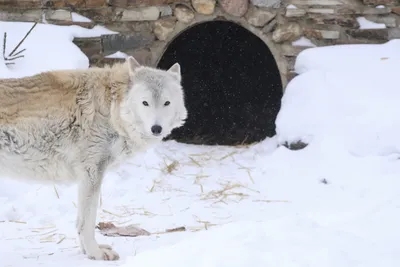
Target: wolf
{"points": [[66, 126]]}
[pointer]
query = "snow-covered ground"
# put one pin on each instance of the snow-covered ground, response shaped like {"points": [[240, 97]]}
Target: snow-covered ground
{"points": [[334, 203]]}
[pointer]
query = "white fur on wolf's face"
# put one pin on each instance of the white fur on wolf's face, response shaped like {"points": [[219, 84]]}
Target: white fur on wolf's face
{"points": [[155, 100]]}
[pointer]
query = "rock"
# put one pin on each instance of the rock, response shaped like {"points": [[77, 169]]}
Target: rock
{"points": [[375, 11], [143, 56], [120, 42], [321, 34], [389, 21], [379, 2], [205, 7], [375, 34], [163, 28], [235, 7], [89, 46], [58, 15], [343, 21], [287, 32], [259, 17], [102, 15], [165, 10], [33, 15], [295, 12], [321, 11], [270, 26], [266, 3], [396, 10], [183, 14], [394, 33], [73, 3], [141, 14], [369, 34], [20, 4], [363, 10]]}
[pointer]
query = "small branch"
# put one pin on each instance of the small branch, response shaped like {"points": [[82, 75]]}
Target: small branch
{"points": [[23, 39], [4, 45], [15, 55], [23, 50], [13, 58]]}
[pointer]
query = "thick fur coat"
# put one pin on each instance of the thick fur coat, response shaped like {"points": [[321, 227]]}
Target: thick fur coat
{"points": [[73, 125]]}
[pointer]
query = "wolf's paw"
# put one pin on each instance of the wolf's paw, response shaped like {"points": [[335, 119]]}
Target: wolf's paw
{"points": [[104, 252]]}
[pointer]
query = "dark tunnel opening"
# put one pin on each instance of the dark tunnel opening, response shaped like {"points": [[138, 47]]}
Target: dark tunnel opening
{"points": [[232, 84]]}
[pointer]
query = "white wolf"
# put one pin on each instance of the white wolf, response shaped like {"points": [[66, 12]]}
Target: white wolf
{"points": [[72, 125]]}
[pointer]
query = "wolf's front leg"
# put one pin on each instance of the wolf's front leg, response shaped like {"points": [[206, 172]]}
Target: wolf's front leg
{"points": [[88, 199]]}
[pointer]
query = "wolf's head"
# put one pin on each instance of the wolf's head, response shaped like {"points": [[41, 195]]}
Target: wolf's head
{"points": [[155, 101]]}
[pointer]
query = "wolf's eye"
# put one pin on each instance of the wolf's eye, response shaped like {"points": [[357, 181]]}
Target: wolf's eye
{"points": [[167, 103], [145, 103]]}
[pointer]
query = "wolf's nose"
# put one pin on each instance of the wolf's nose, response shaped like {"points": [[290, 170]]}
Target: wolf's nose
{"points": [[156, 129]]}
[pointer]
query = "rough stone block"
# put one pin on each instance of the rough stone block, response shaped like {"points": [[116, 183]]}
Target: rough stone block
{"points": [[183, 13], [235, 7], [20, 3], [100, 14], [321, 34], [89, 46], [205, 7], [380, 2], [370, 34], [117, 42], [267, 3], [259, 17], [321, 10], [363, 10], [389, 21], [270, 26], [142, 55], [287, 32], [295, 12], [164, 27], [30, 15], [343, 21], [140, 14], [165, 10], [393, 33], [58, 15], [74, 3]]}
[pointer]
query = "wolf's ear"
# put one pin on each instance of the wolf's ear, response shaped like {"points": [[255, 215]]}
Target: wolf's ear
{"points": [[176, 71], [133, 64]]}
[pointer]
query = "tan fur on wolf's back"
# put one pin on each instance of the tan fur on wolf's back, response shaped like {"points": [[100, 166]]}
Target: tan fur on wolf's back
{"points": [[55, 93]]}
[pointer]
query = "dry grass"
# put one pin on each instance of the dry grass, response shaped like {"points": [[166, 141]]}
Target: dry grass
{"points": [[227, 192], [55, 190]]}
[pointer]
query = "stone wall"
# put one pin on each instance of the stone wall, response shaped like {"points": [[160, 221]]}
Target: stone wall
{"points": [[146, 26]]}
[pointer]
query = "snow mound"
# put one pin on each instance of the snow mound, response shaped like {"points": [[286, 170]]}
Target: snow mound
{"points": [[291, 242], [333, 105], [352, 58], [48, 47]]}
